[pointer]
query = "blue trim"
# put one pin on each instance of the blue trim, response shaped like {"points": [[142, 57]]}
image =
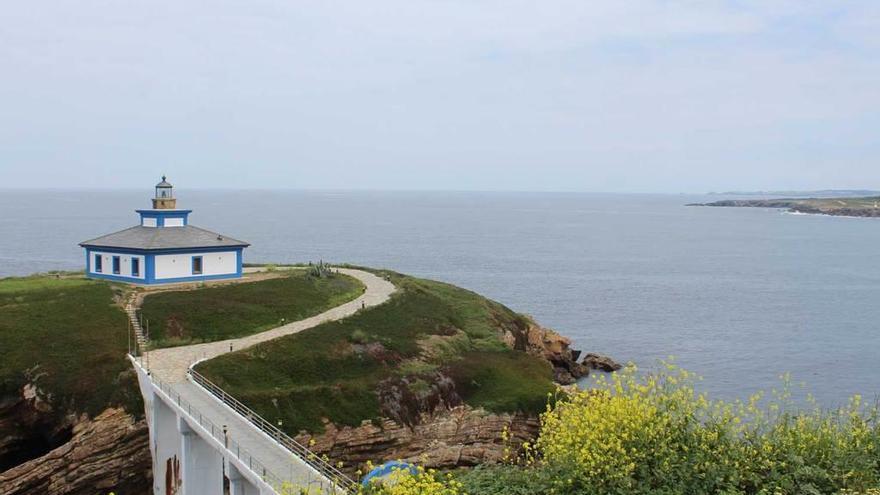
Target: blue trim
{"points": [[192, 265], [150, 268], [162, 251], [239, 254], [195, 278], [117, 278], [161, 215], [169, 213]]}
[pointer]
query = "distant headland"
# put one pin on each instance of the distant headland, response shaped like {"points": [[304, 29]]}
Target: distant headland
{"points": [[819, 193], [865, 206]]}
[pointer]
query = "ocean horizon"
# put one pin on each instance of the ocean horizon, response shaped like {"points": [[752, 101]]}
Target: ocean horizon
{"points": [[739, 296]]}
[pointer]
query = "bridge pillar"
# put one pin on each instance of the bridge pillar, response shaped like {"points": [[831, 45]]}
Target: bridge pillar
{"points": [[238, 484], [201, 464], [166, 449]]}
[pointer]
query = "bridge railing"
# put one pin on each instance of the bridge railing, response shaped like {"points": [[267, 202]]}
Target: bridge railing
{"points": [[221, 436], [316, 462]]}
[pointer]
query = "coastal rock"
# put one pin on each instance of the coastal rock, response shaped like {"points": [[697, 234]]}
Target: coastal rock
{"points": [[601, 363], [107, 453], [548, 344], [29, 428], [461, 436]]}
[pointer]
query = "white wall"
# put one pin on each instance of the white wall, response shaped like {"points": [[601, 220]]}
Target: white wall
{"points": [[124, 264], [174, 222], [180, 265]]}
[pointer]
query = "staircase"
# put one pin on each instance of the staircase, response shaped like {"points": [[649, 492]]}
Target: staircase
{"points": [[131, 310]]}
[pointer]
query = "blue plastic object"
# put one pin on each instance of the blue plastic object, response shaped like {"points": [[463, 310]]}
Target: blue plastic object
{"points": [[386, 469]]}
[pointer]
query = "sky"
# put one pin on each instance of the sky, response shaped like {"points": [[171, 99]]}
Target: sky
{"points": [[618, 96]]}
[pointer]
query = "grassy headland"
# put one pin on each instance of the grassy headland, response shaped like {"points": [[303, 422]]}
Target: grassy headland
{"points": [[235, 310], [850, 207], [66, 336], [427, 332]]}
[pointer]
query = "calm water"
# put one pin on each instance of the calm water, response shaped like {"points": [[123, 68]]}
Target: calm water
{"points": [[737, 295]]}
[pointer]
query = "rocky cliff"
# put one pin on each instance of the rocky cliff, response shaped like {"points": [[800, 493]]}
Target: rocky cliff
{"points": [[445, 433], [461, 436], [48, 453]]}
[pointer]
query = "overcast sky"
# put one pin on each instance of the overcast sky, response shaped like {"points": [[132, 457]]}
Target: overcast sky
{"points": [[584, 95]]}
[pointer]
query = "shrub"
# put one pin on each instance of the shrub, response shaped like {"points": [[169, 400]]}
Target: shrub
{"points": [[655, 434], [358, 336], [423, 482]]}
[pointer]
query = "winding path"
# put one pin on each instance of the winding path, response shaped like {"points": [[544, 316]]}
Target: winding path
{"points": [[170, 365]]}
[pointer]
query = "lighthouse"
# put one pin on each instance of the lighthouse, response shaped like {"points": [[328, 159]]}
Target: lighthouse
{"points": [[164, 248]]}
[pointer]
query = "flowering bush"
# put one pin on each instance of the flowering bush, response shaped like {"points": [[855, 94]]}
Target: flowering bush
{"points": [[423, 482], [656, 434]]}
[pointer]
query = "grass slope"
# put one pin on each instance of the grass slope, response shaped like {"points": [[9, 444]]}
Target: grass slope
{"points": [[236, 310], [333, 370], [70, 339]]}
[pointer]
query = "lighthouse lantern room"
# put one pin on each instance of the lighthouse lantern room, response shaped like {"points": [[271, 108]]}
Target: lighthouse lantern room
{"points": [[164, 248]]}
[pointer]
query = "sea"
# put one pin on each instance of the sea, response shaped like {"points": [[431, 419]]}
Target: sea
{"points": [[739, 296]]}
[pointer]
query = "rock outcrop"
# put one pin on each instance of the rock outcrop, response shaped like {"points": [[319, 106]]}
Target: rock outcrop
{"points": [[461, 436], [548, 344], [107, 453], [601, 363]]}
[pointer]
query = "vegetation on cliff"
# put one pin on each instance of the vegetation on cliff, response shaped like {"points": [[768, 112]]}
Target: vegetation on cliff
{"points": [[432, 344], [67, 338], [234, 310], [654, 434]]}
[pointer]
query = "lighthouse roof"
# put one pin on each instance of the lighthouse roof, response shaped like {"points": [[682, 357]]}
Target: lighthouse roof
{"points": [[151, 238], [164, 183]]}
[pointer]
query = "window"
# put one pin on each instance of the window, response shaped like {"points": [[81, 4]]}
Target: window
{"points": [[98, 264], [116, 265], [197, 265], [135, 267]]}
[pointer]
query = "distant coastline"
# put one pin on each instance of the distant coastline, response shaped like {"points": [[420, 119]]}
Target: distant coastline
{"points": [[821, 193], [844, 207]]}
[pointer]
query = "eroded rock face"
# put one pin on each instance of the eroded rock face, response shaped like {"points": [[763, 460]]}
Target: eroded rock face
{"points": [[551, 346], [402, 400], [461, 436], [108, 453], [28, 428]]}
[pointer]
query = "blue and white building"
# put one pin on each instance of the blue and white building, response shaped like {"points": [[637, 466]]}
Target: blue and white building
{"points": [[165, 248]]}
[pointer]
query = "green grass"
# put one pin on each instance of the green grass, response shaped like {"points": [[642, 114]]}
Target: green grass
{"points": [[503, 381], [68, 337], [18, 285], [329, 371], [235, 310]]}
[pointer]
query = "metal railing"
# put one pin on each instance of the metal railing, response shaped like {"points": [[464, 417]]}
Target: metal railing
{"points": [[336, 477], [219, 434]]}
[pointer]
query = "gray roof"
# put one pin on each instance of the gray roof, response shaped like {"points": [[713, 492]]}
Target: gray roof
{"points": [[164, 183], [150, 238]]}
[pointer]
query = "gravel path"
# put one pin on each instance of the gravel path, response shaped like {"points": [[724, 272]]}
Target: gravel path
{"points": [[170, 364]]}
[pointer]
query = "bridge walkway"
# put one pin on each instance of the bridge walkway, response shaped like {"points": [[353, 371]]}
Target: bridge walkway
{"points": [[281, 457]]}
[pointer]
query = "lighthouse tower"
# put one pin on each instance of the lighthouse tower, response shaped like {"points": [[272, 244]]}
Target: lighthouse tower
{"points": [[164, 248], [164, 199]]}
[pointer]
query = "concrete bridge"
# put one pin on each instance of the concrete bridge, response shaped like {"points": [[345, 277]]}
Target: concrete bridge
{"points": [[202, 439]]}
